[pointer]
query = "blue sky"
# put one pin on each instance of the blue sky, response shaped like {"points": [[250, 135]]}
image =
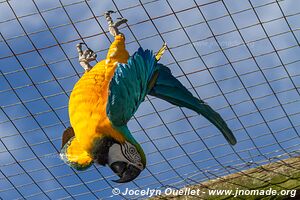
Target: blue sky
{"points": [[242, 61]]}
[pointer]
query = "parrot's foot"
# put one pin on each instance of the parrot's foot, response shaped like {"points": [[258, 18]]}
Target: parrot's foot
{"points": [[85, 57], [113, 27]]}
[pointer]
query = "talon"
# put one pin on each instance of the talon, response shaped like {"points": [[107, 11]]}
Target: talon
{"points": [[79, 49], [80, 44], [120, 22], [113, 27], [85, 53], [85, 57], [109, 12], [93, 56]]}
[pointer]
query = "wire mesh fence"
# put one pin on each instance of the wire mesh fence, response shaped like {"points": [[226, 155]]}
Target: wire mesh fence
{"points": [[241, 57]]}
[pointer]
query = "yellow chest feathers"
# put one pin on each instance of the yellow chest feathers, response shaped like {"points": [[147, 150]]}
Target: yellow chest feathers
{"points": [[87, 106]]}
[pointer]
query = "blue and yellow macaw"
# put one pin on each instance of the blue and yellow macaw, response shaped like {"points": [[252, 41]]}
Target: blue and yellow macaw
{"points": [[106, 97]]}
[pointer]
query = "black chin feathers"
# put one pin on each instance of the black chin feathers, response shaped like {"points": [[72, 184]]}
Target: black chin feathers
{"points": [[101, 149]]}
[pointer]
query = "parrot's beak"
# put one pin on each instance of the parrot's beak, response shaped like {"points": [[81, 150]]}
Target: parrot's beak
{"points": [[125, 171]]}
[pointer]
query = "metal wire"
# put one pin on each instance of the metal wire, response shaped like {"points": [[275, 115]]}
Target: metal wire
{"points": [[166, 169]]}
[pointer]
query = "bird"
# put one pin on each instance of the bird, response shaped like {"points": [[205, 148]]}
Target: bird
{"points": [[108, 94]]}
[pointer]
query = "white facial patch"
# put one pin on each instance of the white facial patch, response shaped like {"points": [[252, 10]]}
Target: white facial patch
{"points": [[126, 153]]}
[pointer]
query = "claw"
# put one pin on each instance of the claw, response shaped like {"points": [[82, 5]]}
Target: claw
{"points": [[121, 21], [79, 49], [113, 27], [109, 12], [85, 57]]}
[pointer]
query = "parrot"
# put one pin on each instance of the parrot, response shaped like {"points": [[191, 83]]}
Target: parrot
{"points": [[108, 94]]}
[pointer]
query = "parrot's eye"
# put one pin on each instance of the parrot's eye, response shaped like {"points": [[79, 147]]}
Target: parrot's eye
{"points": [[140, 165], [129, 151]]}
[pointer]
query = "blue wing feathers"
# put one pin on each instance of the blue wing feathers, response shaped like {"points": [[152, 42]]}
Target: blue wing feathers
{"points": [[128, 86], [167, 87], [132, 81]]}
